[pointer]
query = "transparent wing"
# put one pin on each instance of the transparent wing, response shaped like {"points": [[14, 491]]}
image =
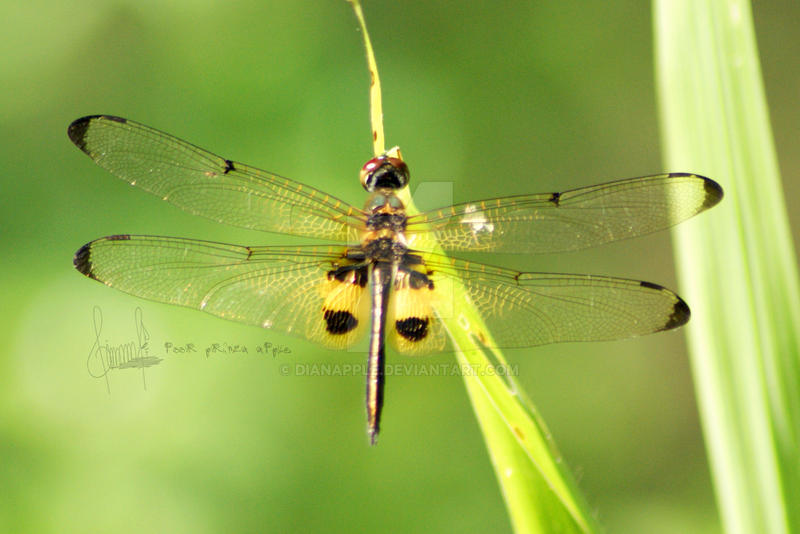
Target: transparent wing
{"points": [[285, 288], [205, 184], [572, 220], [528, 309]]}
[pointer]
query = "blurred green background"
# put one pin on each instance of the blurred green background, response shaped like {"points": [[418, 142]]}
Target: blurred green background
{"points": [[488, 99]]}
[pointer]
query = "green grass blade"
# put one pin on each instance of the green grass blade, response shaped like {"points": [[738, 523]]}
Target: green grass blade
{"points": [[737, 265], [538, 488], [540, 494]]}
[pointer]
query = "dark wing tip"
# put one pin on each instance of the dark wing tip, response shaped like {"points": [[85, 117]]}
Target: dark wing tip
{"points": [[77, 130], [680, 315], [82, 260], [714, 193]]}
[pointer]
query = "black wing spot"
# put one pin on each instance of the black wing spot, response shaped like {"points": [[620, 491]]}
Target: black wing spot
{"points": [[77, 132], [412, 328], [651, 285], [362, 277], [679, 316], [119, 237], [82, 260], [714, 193], [555, 198], [339, 321], [417, 280], [342, 274], [78, 129], [228, 167], [680, 310]]}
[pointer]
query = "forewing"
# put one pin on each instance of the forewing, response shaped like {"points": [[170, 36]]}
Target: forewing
{"points": [[529, 309], [205, 184], [571, 220], [283, 288]]}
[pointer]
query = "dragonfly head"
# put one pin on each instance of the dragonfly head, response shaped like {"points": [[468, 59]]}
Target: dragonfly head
{"points": [[384, 172]]}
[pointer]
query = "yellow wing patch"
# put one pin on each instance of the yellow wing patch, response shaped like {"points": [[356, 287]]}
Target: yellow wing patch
{"points": [[412, 327], [344, 316]]}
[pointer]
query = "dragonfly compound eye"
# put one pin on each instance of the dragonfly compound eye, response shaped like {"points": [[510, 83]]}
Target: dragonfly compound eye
{"points": [[384, 172]]}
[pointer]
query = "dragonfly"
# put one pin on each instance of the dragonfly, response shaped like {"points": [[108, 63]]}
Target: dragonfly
{"points": [[382, 277]]}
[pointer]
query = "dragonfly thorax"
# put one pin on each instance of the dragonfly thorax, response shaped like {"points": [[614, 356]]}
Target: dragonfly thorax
{"points": [[385, 249], [384, 228], [394, 220]]}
